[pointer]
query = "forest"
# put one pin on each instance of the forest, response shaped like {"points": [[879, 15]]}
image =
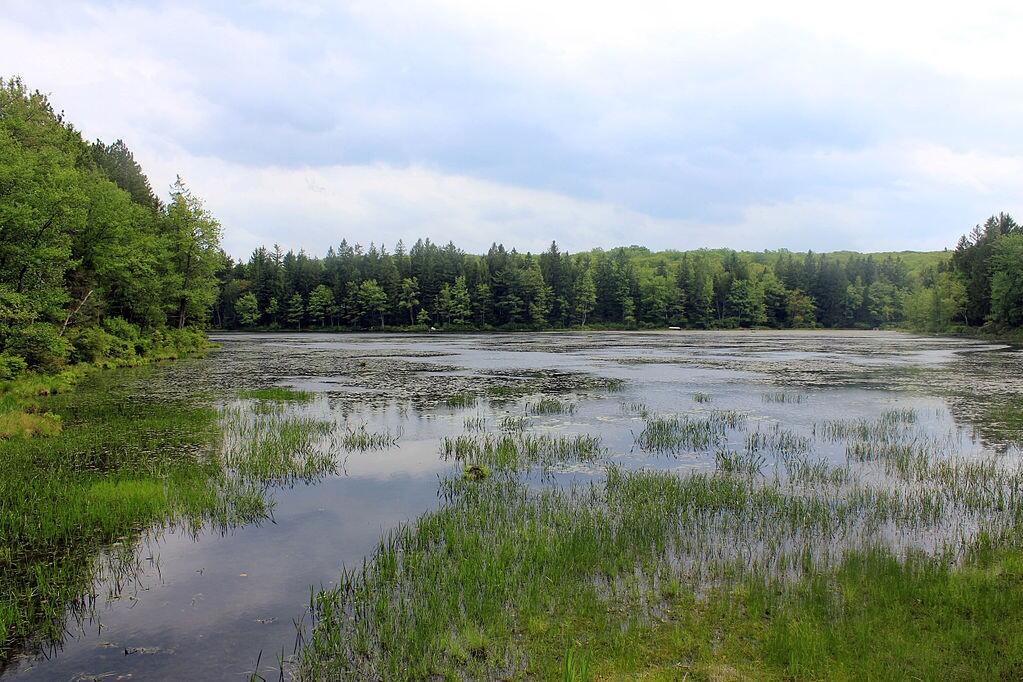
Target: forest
{"points": [[978, 285], [96, 268]]}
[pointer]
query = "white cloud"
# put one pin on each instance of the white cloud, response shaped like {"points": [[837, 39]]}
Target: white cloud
{"points": [[750, 125]]}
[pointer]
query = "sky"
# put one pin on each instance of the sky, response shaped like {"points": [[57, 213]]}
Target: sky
{"points": [[871, 126]]}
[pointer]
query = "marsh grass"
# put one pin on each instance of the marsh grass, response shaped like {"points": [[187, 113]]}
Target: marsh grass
{"points": [[549, 405], [119, 465], [518, 451], [461, 400], [784, 397], [1006, 418], [476, 422], [513, 422], [699, 397], [676, 433], [75, 502], [278, 394], [636, 409], [614, 385], [743, 571], [778, 564]]}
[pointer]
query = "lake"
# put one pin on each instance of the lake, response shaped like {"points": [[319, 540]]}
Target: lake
{"points": [[209, 604]]}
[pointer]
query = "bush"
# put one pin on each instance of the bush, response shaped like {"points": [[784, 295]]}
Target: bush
{"points": [[11, 366], [97, 346], [123, 329], [41, 345]]}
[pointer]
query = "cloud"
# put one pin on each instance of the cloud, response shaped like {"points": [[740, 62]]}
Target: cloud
{"points": [[750, 125]]}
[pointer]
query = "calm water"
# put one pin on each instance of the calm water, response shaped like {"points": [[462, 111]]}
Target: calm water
{"points": [[207, 607]]}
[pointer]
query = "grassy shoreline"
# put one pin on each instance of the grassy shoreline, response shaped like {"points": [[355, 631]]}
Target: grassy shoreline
{"points": [[734, 574]]}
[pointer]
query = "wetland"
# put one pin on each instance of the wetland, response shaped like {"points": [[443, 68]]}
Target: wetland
{"points": [[592, 505]]}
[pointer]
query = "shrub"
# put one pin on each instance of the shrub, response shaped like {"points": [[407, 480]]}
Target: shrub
{"points": [[95, 345], [11, 366], [41, 345]]}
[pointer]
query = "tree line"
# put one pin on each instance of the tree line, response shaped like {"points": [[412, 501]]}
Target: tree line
{"points": [[94, 267], [428, 285]]}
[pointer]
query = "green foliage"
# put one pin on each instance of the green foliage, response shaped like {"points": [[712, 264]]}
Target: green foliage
{"points": [[1007, 282], [372, 300], [195, 252], [247, 309], [409, 297], [296, 310], [83, 240], [625, 287], [11, 366], [41, 345], [321, 304]]}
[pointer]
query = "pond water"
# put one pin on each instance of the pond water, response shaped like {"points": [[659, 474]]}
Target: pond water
{"points": [[207, 606]]}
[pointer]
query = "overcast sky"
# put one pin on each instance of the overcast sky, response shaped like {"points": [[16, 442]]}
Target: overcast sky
{"points": [[816, 125]]}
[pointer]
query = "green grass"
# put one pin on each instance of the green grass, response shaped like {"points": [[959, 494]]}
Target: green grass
{"points": [[119, 464], [460, 400], [520, 450], [783, 397], [278, 394], [548, 405], [873, 617], [688, 432], [614, 384], [773, 566], [1007, 418], [543, 579], [116, 467]]}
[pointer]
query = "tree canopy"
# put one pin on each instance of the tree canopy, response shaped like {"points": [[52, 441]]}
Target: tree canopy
{"points": [[88, 254]]}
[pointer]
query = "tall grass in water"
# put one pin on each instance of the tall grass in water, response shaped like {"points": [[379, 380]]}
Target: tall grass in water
{"points": [[278, 394], [517, 451], [550, 406], [783, 397], [119, 465], [124, 463], [460, 400], [770, 571], [688, 432], [612, 570]]}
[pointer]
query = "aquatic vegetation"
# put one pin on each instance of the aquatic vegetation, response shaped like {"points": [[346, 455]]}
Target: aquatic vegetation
{"points": [[740, 463], [636, 409], [688, 432], [699, 397], [19, 424], [361, 439], [475, 423], [118, 466], [778, 441], [503, 392], [771, 550], [646, 557], [613, 558], [513, 422], [614, 384], [278, 394], [548, 405], [783, 397], [460, 400], [124, 463], [518, 451]]}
